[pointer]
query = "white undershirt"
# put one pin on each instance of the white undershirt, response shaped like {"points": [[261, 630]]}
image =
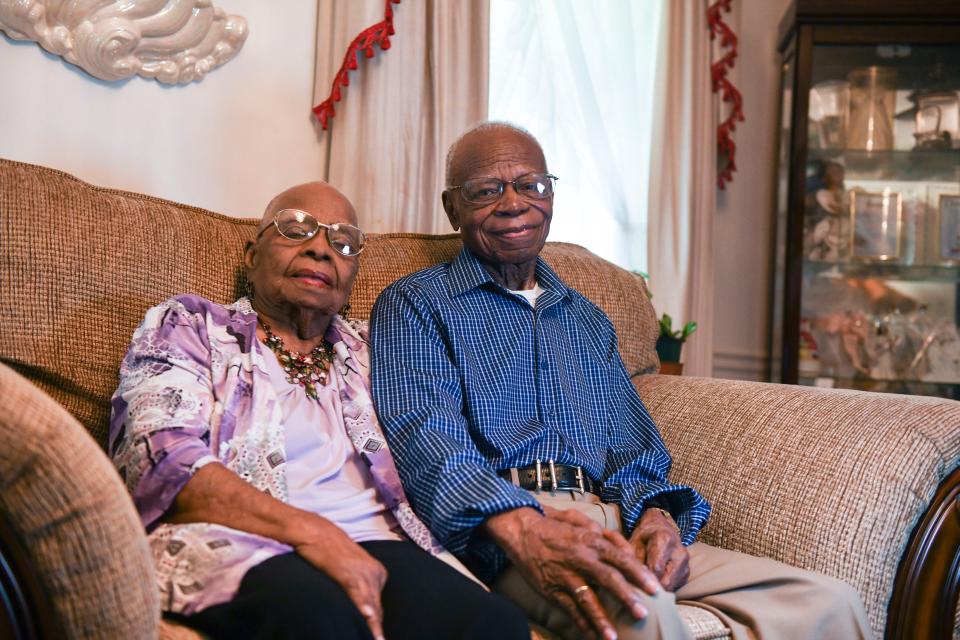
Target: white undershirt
{"points": [[325, 474], [530, 295]]}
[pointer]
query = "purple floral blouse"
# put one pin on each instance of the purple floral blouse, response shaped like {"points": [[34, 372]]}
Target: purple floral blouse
{"points": [[194, 389]]}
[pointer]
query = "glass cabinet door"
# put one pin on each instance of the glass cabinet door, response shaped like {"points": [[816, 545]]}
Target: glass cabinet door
{"points": [[787, 73], [880, 253]]}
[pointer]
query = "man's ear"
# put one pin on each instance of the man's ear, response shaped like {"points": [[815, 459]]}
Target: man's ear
{"points": [[250, 254], [447, 199]]}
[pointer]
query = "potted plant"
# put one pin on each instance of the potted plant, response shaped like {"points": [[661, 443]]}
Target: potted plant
{"points": [[670, 340]]}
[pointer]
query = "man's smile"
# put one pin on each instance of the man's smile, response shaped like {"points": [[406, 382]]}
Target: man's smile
{"points": [[518, 232]]}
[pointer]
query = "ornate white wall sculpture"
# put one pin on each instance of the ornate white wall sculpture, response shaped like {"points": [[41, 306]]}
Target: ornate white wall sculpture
{"points": [[174, 41]]}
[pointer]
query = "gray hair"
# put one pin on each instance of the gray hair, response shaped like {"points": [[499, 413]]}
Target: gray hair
{"points": [[483, 127]]}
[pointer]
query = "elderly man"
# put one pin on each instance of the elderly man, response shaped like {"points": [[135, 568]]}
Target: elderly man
{"points": [[525, 448]]}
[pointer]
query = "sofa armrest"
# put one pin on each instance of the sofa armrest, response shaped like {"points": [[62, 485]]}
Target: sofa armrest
{"points": [[829, 480], [66, 511]]}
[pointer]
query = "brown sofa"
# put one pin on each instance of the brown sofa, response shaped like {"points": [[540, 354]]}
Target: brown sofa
{"points": [[860, 486]]}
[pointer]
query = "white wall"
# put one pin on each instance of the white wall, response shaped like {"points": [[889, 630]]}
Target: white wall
{"points": [[227, 143], [233, 140], [743, 230]]}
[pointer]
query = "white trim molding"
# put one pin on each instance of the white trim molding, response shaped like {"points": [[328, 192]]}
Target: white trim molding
{"points": [[174, 41], [740, 365]]}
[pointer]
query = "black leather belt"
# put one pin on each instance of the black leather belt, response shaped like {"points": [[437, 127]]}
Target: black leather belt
{"points": [[552, 477]]}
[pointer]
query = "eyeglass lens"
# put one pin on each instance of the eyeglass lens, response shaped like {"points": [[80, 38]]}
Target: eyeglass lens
{"points": [[346, 239], [300, 225], [533, 186]]}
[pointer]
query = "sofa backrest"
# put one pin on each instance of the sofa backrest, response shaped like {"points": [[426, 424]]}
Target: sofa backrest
{"points": [[80, 264]]}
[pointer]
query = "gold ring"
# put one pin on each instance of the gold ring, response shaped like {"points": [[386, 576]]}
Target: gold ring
{"points": [[581, 589]]}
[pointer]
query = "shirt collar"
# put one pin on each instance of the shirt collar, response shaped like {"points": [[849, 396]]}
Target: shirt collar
{"points": [[467, 272]]}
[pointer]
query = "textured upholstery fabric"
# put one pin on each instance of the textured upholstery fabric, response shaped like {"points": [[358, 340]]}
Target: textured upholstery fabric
{"points": [[703, 624], [827, 480], [73, 515], [70, 297], [173, 631]]}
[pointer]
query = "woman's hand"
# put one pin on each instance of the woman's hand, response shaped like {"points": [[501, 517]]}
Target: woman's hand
{"points": [[330, 550], [216, 494]]}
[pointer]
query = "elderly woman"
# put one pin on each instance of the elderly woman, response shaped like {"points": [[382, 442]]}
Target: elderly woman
{"points": [[247, 437]]}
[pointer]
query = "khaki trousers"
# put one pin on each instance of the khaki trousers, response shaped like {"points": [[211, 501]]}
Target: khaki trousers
{"points": [[757, 598]]}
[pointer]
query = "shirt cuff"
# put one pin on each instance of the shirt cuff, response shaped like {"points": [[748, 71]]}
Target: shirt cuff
{"points": [[688, 509]]}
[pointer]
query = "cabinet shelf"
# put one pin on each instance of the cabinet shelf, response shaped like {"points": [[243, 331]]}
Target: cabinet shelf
{"points": [[913, 387], [867, 315], [917, 67], [915, 165], [882, 271]]}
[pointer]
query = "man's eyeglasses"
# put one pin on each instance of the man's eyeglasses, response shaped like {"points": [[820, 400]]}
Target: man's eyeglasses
{"points": [[483, 191], [299, 226]]}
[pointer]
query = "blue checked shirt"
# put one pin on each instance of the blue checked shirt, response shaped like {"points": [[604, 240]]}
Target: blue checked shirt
{"points": [[469, 379]]}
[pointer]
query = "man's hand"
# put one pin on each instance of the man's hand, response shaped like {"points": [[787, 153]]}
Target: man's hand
{"points": [[360, 574], [657, 544], [562, 554]]}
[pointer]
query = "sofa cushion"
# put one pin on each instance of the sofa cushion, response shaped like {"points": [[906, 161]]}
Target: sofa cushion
{"points": [[72, 515], [830, 480], [80, 264]]}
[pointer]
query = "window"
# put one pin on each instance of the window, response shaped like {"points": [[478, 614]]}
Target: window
{"points": [[579, 75]]}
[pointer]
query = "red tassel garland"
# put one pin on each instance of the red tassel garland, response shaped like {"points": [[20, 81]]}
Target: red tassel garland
{"points": [[378, 34], [726, 147]]}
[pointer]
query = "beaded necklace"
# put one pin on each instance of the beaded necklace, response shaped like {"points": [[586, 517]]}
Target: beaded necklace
{"points": [[308, 370]]}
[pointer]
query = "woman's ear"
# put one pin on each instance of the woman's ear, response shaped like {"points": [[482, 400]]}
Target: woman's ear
{"points": [[250, 254]]}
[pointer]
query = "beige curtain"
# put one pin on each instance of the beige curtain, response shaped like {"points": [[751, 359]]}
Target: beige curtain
{"points": [[386, 147], [682, 197]]}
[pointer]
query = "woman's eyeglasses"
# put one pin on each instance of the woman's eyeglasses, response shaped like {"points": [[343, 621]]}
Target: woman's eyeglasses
{"points": [[299, 226]]}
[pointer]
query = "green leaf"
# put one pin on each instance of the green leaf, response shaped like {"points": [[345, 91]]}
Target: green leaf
{"points": [[667, 331], [666, 326]]}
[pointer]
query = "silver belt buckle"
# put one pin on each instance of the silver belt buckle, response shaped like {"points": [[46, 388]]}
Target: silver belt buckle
{"points": [[580, 482], [553, 476], [539, 482]]}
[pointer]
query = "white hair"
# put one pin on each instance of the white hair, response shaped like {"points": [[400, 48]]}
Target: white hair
{"points": [[483, 127]]}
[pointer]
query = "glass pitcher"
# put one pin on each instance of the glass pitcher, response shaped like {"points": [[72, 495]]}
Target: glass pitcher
{"points": [[872, 103]]}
